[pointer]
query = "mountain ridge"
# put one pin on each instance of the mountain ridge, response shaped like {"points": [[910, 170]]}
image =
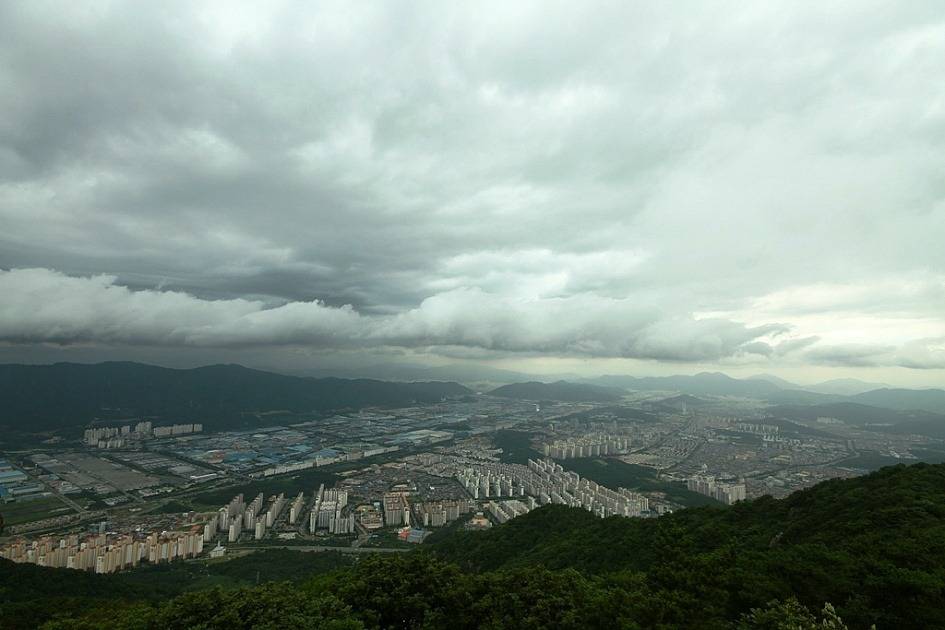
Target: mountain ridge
{"points": [[720, 384], [67, 396]]}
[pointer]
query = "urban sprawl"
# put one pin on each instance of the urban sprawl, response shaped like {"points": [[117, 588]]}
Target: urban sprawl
{"points": [[152, 491]]}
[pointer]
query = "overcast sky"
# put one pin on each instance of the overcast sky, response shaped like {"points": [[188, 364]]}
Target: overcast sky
{"points": [[589, 187]]}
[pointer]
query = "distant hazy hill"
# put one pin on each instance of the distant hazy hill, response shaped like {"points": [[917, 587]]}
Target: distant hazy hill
{"points": [[801, 397], [69, 395], [844, 386], [711, 383], [898, 421], [561, 390], [851, 413], [777, 380], [926, 399], [461, 373], [772, 389], [834, 387]]}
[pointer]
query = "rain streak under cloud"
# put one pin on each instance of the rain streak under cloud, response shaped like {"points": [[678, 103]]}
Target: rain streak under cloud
{"points": [[605, 186]]}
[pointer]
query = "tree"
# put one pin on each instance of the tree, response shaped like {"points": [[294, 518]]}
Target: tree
{"points": [[790, 615]]}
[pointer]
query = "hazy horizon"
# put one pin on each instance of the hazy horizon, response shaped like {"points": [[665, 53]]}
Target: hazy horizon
{"points": [[590, 189], [389, 370]]}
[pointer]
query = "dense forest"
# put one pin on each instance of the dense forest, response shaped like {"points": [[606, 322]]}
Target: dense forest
{"points": [[869, 551]]}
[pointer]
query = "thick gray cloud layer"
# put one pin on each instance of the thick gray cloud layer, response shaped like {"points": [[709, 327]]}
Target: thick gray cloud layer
{"points": [[680, 182], [51, 307]]}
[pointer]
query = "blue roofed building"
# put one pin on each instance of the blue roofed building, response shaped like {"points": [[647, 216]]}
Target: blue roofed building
{"points": [[12, 476]]}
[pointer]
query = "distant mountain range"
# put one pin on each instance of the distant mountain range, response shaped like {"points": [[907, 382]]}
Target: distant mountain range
{"points": [[925, 399], [844, 387], [463, 373], [779, 391], [767, 387], [711, 383], [848, 412], [879, 419], [35, 398], [920, 411], [931, 400], [67, 396], [837, 386]]}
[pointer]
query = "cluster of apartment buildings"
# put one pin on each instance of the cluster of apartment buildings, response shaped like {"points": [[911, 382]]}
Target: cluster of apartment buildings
{"points": [[105, 553], [547, 482], [587, 446], [177, 429], [237, 516], [118, 437], [566, 487], [396, 509], [504, 511], [439, 513], [113, 437], [330, 511], [487, 479], [727, 493], [295, 510]]}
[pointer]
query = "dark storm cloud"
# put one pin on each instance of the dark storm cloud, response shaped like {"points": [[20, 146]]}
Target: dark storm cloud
{"points": [[49, 307], [672, 182], [921, 354], [857, 355]]}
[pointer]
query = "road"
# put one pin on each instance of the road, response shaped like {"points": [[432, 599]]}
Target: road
{"points": [[326, 548]]}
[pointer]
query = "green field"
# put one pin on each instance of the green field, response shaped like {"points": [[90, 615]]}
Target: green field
{"points": [[614, 473], [386, 538], [172, 507], [26, 511]]}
